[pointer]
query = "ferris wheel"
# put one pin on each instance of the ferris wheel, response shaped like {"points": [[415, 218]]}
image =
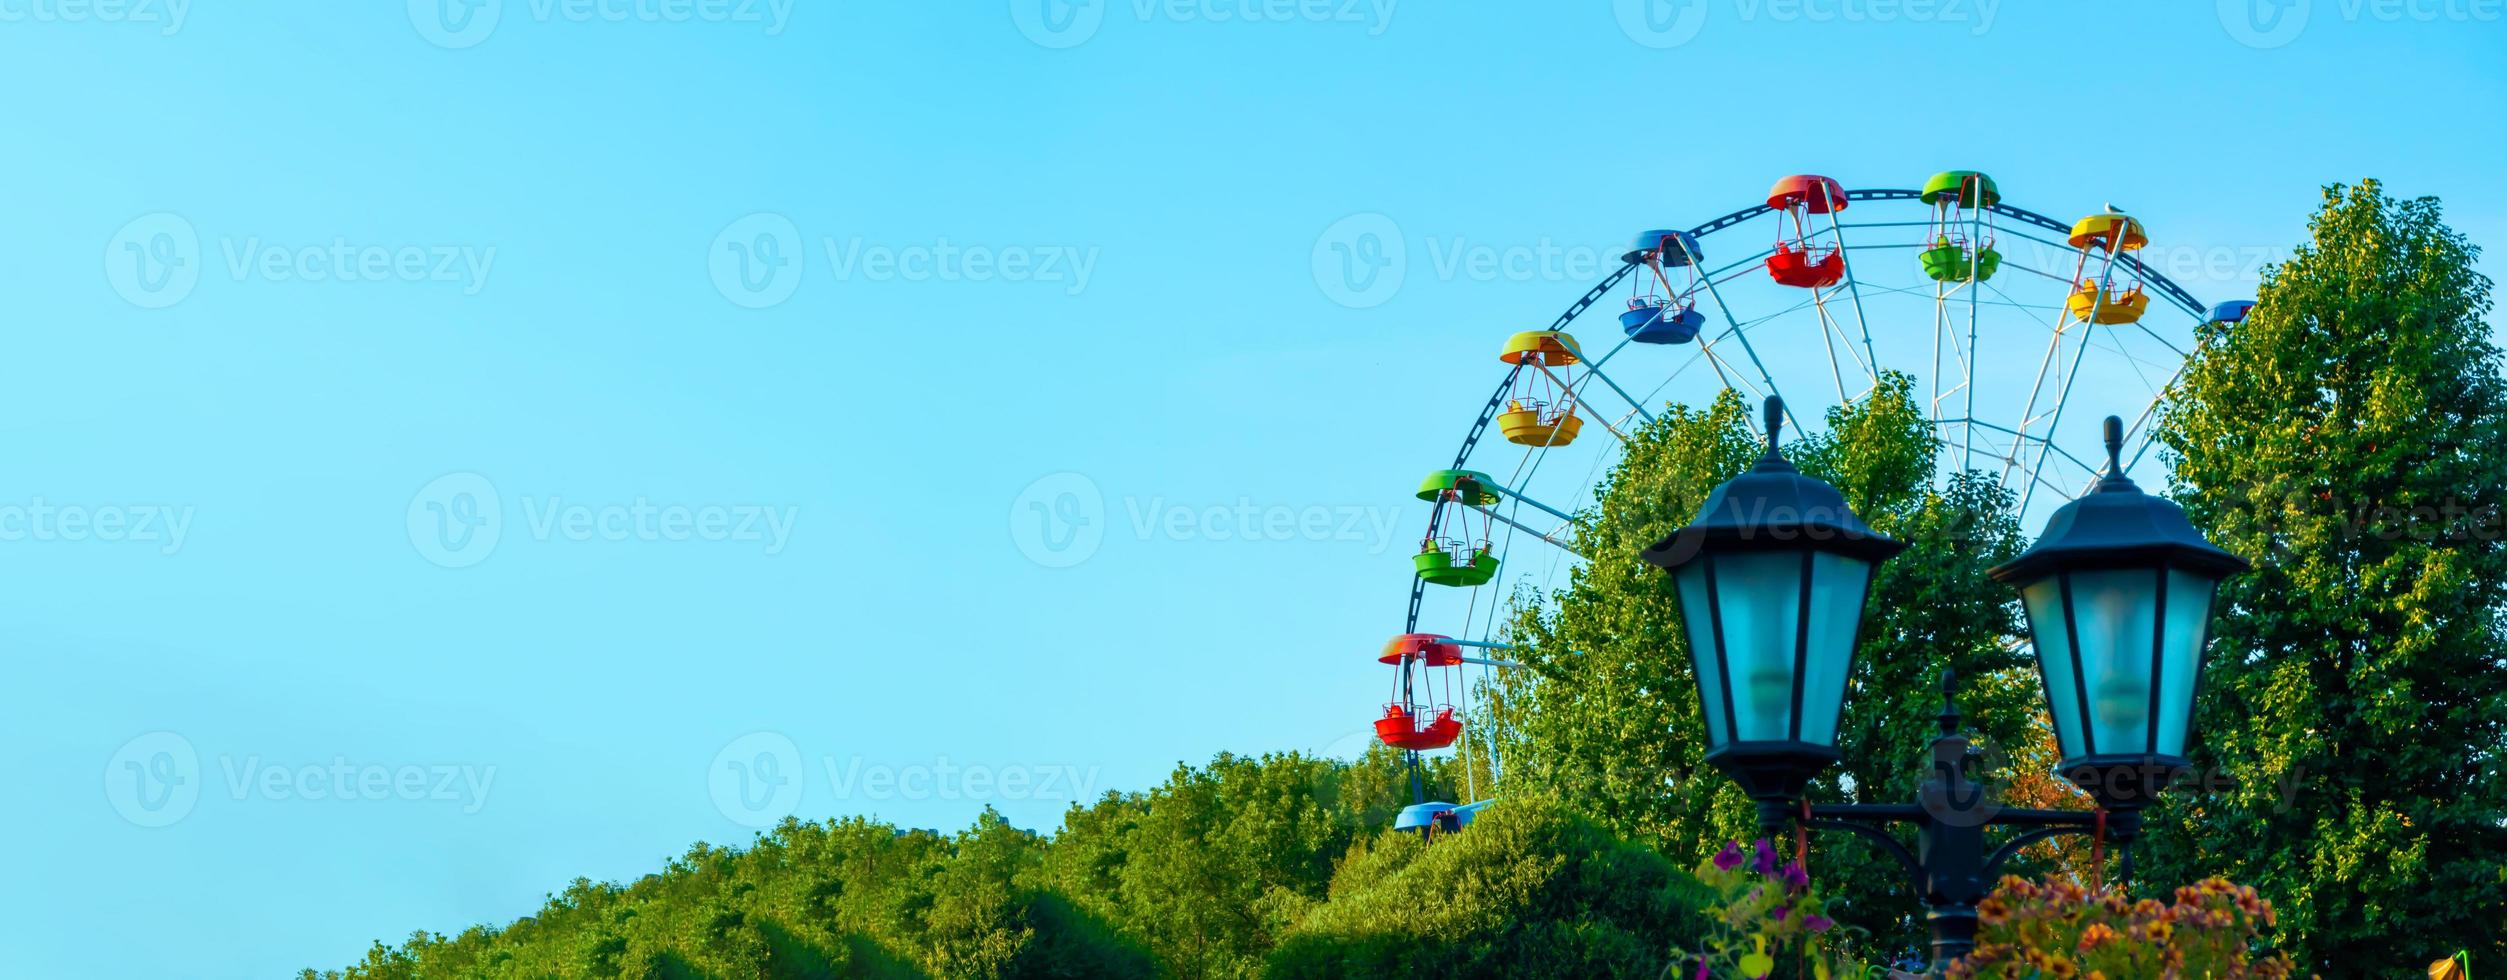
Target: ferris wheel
{"points": [[2003, 316]]}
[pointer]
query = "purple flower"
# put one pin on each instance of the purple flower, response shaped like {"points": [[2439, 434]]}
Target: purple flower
{"points": [[1765, 863], [1779, 914], [1794, 877], [1816, 922], [1728, 858], [1701, 969]]}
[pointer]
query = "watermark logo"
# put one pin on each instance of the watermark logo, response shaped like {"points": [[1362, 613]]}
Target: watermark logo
{"points": [[944, 779], [756, 261], [759, 260], [42, 521], [153, 262], [1061, 24], [168, 14], [756, 780], [455, 520], [1059, 520], [1058, 24], [1363, 261], [947, 261], [156, 780], [760, 778], [153, 780], [455, 24], [2267, 24], [1661, 24], [2264, 24], [1360, 260], [343, 781]]}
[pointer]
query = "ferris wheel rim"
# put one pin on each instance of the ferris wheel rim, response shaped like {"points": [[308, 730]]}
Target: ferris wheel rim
{"points": [[1986, 206]]}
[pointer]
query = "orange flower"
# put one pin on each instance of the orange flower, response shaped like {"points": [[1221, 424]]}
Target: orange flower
{"points": [[2098, 934], [1993, 911]]}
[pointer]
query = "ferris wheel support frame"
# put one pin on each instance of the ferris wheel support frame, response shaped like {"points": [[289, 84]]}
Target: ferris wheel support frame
{"points": [[2151, 279]]}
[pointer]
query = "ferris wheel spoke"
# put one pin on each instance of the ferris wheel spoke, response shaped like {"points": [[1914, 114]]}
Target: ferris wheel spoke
{"points": [[2063, 323], [1854, 292], [2147, 413], [1576, 402], [1739, 334], [2019, 441], [1529, 529], [1593, 369], [2062, 398], [1827, 340]]}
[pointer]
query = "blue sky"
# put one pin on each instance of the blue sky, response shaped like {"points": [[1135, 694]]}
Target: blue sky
{"points": [[451, 456]]}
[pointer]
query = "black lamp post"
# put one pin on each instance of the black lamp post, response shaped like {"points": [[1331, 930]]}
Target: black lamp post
{"points": [[1772, 576]]}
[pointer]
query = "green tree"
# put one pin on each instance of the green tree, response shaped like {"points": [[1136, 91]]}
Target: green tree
{"points": [[1607, 715], [1531, 889], [849, 898], [2349, 436], [1212, 867]]}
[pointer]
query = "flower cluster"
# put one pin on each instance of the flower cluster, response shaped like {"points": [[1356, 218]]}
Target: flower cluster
{"points": [[2059, 929], [1768, 921]]}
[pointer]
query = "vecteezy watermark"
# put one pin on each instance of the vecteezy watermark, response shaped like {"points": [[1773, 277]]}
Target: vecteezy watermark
{"points": [[1362, 261], [2267, 24], [456, 520], [167, 16], [154, 261], [1060, 520], [155, 780], [1062, 24], [758, 779], [760, 259], [460, 24], [2223, 265], [38, 520], [1156, 518], [1672, 23]]}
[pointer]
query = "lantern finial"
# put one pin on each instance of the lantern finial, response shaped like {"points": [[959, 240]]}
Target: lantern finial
{"points": [[2115, 479], [1775, 421]]}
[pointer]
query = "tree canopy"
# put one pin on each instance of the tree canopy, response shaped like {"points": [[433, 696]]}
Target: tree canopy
{"points": [[2349, 437]]}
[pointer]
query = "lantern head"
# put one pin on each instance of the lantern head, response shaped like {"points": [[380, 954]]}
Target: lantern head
{"points": [[2118, 592], [1772, 576]]}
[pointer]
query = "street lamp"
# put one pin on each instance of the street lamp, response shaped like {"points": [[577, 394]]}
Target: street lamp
{"points": [[1771, 578], [2118, 592]]}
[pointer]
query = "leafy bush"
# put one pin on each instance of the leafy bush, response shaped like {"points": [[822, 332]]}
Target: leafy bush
{"points": [[1530, 890]]}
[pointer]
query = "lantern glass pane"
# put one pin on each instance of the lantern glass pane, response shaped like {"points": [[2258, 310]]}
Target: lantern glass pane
{"points": [[1836, 610], [1760, 594], [2188, 615], [2050, 628], [2114, 616], [1691, 578]]}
